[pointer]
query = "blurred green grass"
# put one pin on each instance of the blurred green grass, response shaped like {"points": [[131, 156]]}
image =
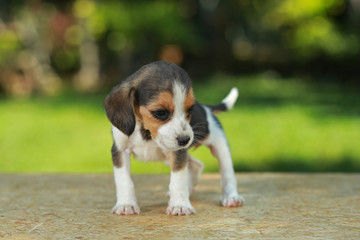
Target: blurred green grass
{"points": [[276, 125]]}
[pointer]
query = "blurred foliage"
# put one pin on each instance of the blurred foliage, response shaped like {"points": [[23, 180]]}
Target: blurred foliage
{"points": [[313, 28], [8, 44], [65, 39], [276, 125]]}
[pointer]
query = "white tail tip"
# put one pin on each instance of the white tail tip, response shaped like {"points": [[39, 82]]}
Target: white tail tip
{"points": [[231, 98]]}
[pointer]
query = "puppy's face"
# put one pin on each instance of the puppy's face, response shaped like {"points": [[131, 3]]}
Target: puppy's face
{"points": [[158, 96], [166, 115]]}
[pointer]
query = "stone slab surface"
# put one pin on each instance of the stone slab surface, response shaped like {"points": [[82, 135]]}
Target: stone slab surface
{"points": [[279, 206]]}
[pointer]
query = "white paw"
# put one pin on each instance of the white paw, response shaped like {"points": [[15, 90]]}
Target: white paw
{"points": [[126, 209], [179, 210], [233, 200]]}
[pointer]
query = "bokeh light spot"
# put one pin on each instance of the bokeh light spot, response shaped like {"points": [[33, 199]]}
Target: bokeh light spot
{"points": [[73, 35], [172, 53], [83, 8]]}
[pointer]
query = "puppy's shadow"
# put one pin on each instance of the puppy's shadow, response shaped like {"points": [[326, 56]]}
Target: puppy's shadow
{"points": [[205, 197], [154, 208]]}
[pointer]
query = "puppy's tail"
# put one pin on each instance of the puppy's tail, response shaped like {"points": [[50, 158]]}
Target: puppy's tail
{"points": [[227, 103]]}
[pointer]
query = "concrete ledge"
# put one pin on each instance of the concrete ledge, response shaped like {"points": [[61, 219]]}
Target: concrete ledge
{"points": [[279, 206]]}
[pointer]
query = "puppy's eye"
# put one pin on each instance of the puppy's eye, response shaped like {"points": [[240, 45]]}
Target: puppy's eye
{"points": [[190, 111], [161, 114]]}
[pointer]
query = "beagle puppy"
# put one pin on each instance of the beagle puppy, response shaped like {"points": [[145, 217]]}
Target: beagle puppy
{"points": [[155, 117]]}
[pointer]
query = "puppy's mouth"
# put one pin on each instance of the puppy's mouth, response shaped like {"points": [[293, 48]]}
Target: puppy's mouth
{"points": [[162, 144]]}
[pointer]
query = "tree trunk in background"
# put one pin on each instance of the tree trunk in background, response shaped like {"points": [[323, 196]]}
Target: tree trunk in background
{"points": [[30, 70]]}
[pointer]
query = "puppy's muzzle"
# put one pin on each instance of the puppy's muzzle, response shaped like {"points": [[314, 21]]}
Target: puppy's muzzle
{"points": [[182, 141]]}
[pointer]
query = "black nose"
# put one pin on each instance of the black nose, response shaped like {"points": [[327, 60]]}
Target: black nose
{"points": [[183, 140]]}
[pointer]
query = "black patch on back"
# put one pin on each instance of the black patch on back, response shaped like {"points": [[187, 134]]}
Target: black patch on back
{"points": [[146, 135], [218, 108], [217, 121], [199, 123]]}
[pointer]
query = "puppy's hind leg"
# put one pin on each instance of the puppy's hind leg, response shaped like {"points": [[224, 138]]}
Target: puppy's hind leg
{"points": [[220, 149]]}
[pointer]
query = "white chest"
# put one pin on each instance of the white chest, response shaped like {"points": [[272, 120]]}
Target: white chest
{"points": [[145, 150]]}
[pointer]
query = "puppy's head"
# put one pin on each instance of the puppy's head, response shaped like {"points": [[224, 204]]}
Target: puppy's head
{"points": [[160, 97]]}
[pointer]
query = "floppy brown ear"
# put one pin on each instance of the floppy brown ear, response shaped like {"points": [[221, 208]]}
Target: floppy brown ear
{"points": [[119, 107]]}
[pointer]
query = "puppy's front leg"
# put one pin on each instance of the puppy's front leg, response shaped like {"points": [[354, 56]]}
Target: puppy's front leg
{"points": [[179, 203], [125, 193]]}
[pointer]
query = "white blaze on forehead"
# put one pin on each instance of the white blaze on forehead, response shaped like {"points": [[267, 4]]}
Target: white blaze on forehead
{"points": [[178, 126], [179, 96]]}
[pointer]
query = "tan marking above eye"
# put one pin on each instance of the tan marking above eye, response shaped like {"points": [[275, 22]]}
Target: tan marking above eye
{"points": [[162, 101], [150, 123], [189, 101]]}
